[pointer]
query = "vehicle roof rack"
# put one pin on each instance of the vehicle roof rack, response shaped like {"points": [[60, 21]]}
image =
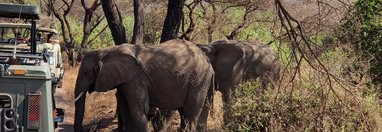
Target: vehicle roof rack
{"points": [[19, 11], [28, 26], [15, 25]]}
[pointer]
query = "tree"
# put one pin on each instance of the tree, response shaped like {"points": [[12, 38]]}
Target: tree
{"points": [[114, 20], [217, 15], [249, 6], [173, 20], [138, 22], [186, 34], [91, 20]]}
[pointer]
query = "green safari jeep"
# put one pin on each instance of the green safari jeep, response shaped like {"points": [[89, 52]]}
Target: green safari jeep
{"points": [[26, 87]]}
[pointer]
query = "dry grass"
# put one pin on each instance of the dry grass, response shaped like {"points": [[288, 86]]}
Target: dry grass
{"points": [[312, 102]]}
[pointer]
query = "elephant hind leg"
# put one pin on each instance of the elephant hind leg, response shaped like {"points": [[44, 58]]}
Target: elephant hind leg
{"points": [[190, 113], [202, 122], [120, 100]]}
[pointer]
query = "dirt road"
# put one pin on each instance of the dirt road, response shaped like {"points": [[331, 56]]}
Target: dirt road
{"points": [[63, 102]]}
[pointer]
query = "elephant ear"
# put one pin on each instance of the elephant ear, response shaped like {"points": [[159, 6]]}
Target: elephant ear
{"points": [[228, 58], [206, 48], [115, 67]]}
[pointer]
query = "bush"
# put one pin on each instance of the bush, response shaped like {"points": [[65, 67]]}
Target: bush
{"points": [[309, 103], [362, 29]]}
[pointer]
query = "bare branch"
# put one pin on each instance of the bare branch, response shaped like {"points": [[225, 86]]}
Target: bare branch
{"points": [[191, 7], [299, 41], [97, 35]]}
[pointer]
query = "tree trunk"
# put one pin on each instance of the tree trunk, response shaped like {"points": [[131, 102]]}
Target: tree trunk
{"points": [[114, 20], [138, 22], [173, 20]]}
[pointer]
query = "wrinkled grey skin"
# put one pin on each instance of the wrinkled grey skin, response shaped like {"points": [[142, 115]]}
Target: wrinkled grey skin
{"points": [[237, 61], [174, 75], [234, 62]]}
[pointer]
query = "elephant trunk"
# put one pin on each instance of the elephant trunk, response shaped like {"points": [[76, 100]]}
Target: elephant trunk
{"points": [[79, 110]]}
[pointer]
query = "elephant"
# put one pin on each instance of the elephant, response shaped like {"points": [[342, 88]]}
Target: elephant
{"points": [[174, 75], [237, 61], [233, 62]]}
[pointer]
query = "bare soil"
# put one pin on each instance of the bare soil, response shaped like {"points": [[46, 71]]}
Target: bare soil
{"points": [[62, 102]]}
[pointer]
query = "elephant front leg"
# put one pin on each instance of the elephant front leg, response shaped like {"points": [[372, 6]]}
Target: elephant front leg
{"points": [[118, 112], [227, 88], [136, 113], [123, 114]]}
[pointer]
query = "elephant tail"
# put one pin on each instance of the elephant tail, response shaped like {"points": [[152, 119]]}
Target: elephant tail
{"points": [[210, 95]]}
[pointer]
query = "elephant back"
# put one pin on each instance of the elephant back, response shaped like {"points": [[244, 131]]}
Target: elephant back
{"points": [[260, 59], [176, 68]]}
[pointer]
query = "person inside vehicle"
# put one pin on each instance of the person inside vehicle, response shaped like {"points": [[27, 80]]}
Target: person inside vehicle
{"points": [[49, 38], [38, 37], [17, 38]]}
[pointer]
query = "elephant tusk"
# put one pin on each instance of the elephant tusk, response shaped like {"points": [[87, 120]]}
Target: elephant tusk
{"points": [[78, 97]]}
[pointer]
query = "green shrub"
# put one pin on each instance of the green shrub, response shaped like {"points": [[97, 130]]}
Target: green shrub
{"points": [[309, 103], [362, 29]]}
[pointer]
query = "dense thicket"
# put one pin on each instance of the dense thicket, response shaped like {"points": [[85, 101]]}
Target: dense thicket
{"points": [[362, 29]]}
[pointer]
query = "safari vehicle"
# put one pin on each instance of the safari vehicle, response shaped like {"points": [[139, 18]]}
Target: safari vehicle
{"points": [[48, 44], [26, 85]]}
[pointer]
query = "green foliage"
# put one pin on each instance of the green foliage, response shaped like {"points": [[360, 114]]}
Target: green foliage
{"points": [[244, 116], [362, 28], [256, 31], [128, 22], [308, 103], [103, 40]]}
